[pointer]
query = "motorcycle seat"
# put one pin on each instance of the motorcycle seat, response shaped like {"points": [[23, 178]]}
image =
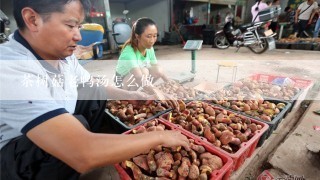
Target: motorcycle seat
{"points": [[245, 26]]}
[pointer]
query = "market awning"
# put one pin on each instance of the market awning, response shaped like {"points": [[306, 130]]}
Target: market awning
{"points": [[225, 2]]}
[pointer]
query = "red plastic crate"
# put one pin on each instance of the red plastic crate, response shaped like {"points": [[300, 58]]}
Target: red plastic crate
{"points": [[223, 173], [273, 124], [302, 84], [246, 149], [119, 126], [267, 78], [122, 173]]}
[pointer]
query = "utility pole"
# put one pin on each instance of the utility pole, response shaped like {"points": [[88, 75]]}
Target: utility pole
{"points": [[209, 10], [172, 15], [109, 24]]}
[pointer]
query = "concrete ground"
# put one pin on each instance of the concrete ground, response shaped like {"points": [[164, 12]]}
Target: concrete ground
{"points": [[294, 151], [299, 154]]}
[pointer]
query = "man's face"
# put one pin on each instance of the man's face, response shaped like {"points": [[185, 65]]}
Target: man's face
{"points": [[59, 34]]}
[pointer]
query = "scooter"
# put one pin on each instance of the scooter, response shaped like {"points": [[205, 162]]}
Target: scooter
{"points": [[121, 29], [252, 36], [124, 19], [4, 21]]}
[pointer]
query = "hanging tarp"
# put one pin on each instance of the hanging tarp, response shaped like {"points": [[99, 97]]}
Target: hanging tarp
{"points": [[240, 2], [224, 2], [294, 4]]}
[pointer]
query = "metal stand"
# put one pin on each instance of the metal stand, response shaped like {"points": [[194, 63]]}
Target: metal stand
{"points": [[193, 61], [281, 28], [193, 46]]}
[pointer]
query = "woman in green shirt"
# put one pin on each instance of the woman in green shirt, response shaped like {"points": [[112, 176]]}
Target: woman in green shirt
{"points": [[137, 65]]}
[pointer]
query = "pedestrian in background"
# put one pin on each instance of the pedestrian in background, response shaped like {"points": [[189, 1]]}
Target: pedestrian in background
{"points": [[229, 17], [290, 14], [274, 22], [302, 16], [258, 6], [269, 3], [317, 26]]}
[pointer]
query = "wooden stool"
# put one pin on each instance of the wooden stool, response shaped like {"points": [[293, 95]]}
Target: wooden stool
{"points": [[228, 64]]}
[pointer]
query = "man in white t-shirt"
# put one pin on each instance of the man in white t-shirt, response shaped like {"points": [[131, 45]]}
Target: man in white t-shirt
{"points": [[302, 16]]}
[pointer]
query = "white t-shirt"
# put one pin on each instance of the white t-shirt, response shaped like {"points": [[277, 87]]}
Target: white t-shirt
{"points": [[307, 13], [29, 94]]}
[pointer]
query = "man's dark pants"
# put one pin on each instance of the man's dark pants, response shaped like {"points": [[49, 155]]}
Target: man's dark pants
{"points": [[300, 27], [22, 159]]}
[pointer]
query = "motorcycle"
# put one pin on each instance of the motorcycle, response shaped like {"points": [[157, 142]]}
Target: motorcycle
{"points": [[124, 19], [121, 28], [252, 36], [4, 21]]}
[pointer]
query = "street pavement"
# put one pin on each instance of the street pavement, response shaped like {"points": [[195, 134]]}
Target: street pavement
{"points": [[174, 59], [176, 63]]}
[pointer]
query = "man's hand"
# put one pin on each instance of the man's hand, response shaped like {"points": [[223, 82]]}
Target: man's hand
{"points": [[139, 95], [171, 104], [140, 102], [174, 139], [171, 81]]}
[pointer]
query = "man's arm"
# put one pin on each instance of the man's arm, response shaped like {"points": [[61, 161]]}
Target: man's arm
{"points": [[296, 15], [312, 15], [67, 139]]}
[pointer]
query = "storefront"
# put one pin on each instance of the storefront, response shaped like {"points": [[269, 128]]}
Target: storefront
{"points": [[199, 19]]}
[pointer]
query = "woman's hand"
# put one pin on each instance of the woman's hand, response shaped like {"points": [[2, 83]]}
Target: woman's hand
{"points": [[166, 99]]}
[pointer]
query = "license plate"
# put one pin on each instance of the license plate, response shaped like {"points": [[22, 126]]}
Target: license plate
{"points": [[268, 32]]}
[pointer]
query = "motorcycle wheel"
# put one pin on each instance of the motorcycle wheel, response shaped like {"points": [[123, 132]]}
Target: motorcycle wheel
{"points": [[259, 48], [221, 42]]}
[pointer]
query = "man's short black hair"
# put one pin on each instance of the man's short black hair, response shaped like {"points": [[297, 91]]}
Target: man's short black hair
{"points": [[287, 9], [43, 7]]}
